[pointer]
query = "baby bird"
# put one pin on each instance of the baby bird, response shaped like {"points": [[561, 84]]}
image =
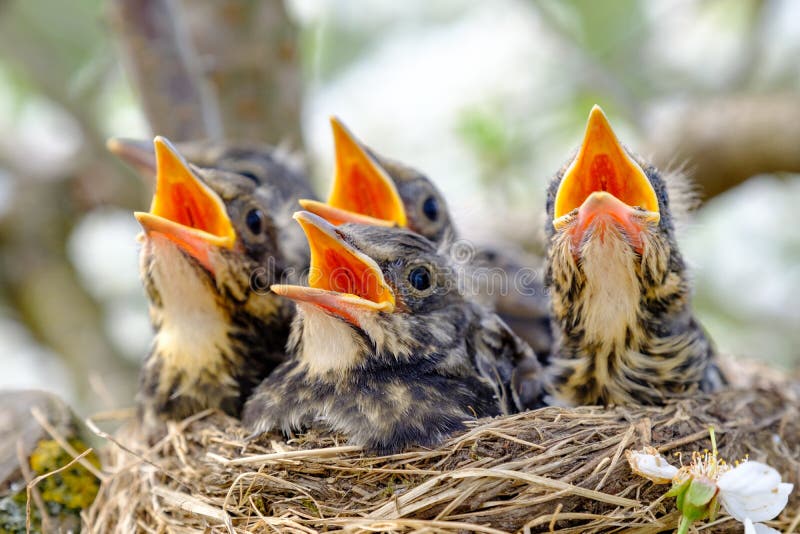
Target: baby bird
{"points": [[384, 348], [370, 189], [618, 284], [212, 244]]}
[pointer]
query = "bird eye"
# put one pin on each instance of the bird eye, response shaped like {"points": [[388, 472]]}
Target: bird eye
{"points": [[431, 208], [420, 278], [255, 221], [250, 175]]}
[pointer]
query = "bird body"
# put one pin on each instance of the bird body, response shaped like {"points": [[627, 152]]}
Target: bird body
{"points": [[213, 242], [625, 332], [385, 349], [371, 189]]}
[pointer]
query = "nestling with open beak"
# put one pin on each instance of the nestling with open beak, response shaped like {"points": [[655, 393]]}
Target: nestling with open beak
{"points": [[371, 189], [384, 348], [212, 244], [279, 180], [618, 284]]}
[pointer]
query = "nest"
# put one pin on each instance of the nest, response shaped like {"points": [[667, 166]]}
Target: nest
{"points": [[554, 469]]}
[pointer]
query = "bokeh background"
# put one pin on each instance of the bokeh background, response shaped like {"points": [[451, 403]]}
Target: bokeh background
{"points": [[488, 98]]}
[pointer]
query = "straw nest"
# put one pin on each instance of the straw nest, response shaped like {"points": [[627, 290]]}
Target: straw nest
{"points": [[554, 469]]}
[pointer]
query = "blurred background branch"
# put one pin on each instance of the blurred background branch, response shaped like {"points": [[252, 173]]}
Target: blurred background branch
{"points": [[247, 52], [163, 68], [727, 139]]}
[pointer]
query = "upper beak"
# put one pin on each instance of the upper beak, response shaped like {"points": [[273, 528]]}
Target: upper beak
{"points": [[135, 152], [604, 166], [342, 280], [362, 190], [184, 209]]}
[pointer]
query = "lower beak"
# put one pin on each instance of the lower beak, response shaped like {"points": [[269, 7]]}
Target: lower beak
{"points": [[342, 280], [344, 305], [195, 242], [601, 205], [338, 216]]}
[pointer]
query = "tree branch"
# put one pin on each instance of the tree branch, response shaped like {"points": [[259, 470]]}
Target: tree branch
{"points": [[248, 55], [158, 56], [725, 140]]}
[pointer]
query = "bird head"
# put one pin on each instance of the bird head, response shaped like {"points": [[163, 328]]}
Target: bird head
{"points": [[607, 199], [385, 289], [369, 189], [228, 211], [605, 187], [187, 212], [612, 258]]}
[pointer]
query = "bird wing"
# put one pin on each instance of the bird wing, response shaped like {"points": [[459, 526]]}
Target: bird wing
{"points": [[509, 364]]}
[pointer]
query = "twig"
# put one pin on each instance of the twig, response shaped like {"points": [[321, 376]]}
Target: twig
{"points": [[63, 443], [622, 444], [308, 453], [32, 484], [546, 482], [37, 497]]}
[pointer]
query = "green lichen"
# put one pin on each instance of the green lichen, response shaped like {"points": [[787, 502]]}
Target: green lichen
{"points": [[74, 488]]}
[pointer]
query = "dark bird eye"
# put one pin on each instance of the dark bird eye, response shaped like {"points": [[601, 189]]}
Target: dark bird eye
{"points": [[250, 175], [420, 278], [255, 221], [431, 208]]}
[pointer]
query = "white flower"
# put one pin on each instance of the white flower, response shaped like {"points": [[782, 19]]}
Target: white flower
{"points": [[753, 490], [758, 528], [749, 491], [649, 464]]}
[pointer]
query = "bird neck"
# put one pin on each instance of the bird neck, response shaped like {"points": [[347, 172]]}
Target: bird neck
{"points": [[615, 312], [192, 342], [325, 345], [609, 302], [331, 346]]}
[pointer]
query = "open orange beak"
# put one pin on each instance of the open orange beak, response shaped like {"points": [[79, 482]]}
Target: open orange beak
{"points": [[342, 280], [184, 209], [135, 152], [362, 190], [604, 180]]}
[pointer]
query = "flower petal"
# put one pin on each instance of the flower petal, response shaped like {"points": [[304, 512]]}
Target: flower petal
{"points": [[649, 464], [753, 490], [749, 477], [758, 528]]}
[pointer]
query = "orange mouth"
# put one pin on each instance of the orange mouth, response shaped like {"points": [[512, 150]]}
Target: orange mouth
{"points": [[342, 280], [184, 209], [604, 169], [362, 191]]}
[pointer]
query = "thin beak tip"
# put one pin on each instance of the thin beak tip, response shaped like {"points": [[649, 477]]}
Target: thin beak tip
{"points": [[596, 110], [114, 145], [307, 217]]}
